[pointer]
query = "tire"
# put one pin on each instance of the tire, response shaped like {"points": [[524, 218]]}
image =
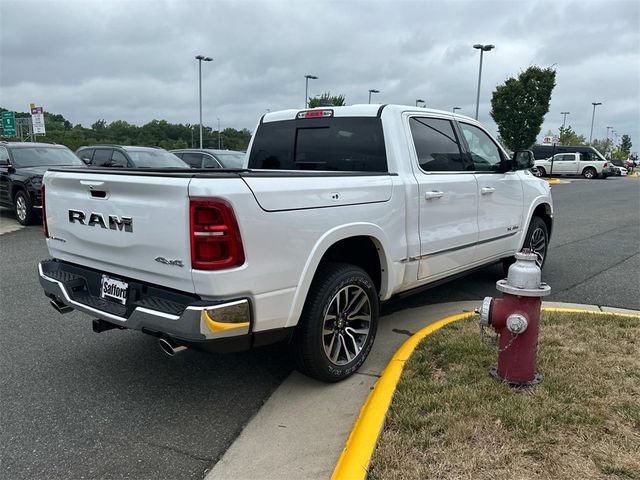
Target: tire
{"points": [[590, 173], [541, 172], [537, 240], [23, 209], [315, 349]]}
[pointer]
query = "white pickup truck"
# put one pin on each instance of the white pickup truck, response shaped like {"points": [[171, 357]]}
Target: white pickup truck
{"points": [[579, 163], [336, 210]]}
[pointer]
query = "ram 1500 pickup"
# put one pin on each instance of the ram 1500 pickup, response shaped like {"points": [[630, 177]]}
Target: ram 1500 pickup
{"points": [[337, 210]]}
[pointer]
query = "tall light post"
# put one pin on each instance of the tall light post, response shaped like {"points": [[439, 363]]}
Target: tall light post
{"points": [[372, 90], [564, 118], [482, 48], [593, 116], [201, 58], [418, 100], [306, 88], [218, 134], [456, 108]]}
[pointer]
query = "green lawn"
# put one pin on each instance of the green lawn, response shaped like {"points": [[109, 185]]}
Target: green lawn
{"points": [[450, 419]]}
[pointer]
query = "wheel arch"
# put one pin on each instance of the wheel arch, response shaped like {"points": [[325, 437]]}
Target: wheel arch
{"points": [[363, 245], [543, 209]]}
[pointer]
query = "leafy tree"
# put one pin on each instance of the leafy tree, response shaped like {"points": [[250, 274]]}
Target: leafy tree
{"points": [[336, 101], [569, 137], [624, 149], [519, 105], [604, 146]]}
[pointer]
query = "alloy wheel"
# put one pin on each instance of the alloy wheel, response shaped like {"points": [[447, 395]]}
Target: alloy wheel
{"points": [[21, 208], [538, 245], [346, 325]]}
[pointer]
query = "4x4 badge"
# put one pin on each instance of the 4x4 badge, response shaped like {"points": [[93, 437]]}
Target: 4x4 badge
{"points": [[177, 263]]}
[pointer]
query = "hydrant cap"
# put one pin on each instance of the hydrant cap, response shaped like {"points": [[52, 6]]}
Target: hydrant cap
{"points": [[524, 277], [526, 255]]}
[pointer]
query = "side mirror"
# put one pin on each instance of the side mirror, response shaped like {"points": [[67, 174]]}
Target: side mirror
{"points": [[87, 161], [4, 162], [522, 159]]}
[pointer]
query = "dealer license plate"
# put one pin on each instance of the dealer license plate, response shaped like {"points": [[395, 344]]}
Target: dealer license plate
{"points": [[114, 289]]}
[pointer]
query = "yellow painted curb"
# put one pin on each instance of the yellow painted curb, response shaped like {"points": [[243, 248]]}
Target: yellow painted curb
{"points": [[552, 181], [356, 455]]}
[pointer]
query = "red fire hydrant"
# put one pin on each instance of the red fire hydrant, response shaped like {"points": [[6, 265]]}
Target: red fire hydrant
{"points": [[516, 319]]}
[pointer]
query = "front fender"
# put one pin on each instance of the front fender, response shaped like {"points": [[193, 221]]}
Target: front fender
{"points": [[330, 238], [537, 202]]}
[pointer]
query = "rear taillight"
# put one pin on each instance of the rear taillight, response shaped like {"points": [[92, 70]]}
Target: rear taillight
{"points": [[215, 237], [605, 165], [44, 214]]}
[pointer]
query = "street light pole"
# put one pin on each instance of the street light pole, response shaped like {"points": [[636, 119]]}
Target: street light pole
{"points": [[373, 90], [306, 88], [564, 119], [218, 134], [482, 48], [201, 58], [593, 116], [456, 108], [418, 100]]}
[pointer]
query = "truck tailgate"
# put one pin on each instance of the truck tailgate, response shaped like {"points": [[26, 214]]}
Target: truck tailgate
{"points": [[125, 225]]}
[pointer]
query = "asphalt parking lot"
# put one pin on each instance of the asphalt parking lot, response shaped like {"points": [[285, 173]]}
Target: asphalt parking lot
{"points": [[75, 404]]}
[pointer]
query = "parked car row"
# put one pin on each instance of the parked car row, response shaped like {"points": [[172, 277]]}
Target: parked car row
{"points": [[22, 166]]}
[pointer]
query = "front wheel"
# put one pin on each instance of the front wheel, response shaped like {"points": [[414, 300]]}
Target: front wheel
{"points": [[338, 323], [536, 240], [540, 172], [589, 173]]}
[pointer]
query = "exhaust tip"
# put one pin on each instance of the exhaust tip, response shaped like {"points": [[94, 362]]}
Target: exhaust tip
{"points": [[60, 307], [171, 348]]}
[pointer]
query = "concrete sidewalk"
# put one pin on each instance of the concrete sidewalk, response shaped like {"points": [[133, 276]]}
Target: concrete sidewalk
{"points": [[301, 430]]}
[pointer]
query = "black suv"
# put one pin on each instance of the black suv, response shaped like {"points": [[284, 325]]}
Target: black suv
{"points": [[128, 157], [22, 166]]}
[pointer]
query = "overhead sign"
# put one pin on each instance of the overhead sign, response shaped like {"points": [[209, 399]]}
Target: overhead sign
{"points": [[9, 124], [37, 120]]}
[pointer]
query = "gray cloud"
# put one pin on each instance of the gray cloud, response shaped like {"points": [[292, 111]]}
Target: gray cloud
{"points": [[134, 60]]}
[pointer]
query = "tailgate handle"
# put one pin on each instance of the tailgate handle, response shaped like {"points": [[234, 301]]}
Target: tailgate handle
{"points": [[91, 183], [98, 194]]}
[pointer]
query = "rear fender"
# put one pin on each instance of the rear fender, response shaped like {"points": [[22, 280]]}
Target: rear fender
{"points": [[329, 239]]}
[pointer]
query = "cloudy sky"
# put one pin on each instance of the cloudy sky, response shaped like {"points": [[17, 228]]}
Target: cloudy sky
{"points": [[134, 60]]}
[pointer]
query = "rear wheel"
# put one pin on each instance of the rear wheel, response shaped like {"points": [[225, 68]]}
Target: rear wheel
{"points": [[338, 324], [23, 208], [590, 173], [540, 172]]}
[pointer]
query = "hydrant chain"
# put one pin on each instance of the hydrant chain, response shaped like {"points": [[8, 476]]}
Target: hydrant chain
{"points": [[492, 344]]}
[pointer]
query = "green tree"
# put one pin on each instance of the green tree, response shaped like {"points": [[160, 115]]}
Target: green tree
{"points": [[519, 105], [624, 149], [569, 137], [336, 101], [604, 146]]}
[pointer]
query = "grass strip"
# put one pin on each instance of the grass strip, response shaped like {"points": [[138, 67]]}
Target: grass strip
{"points": [[450, 419]]}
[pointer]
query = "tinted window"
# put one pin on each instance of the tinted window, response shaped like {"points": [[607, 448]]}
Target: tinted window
{"points": [[4, 155], [118, 158], [436, 145], [44, 156], [484, 152], [329, 144], [193, 159], [210, 162], [155, 159], [102, 157], [566, 158], [231, 160], [86, 153]]}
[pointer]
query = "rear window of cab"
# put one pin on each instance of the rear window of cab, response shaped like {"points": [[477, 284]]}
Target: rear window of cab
{"points": [[344, 144]]}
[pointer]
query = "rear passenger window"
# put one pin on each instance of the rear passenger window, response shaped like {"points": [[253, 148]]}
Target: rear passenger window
{"points": [[436, 145], [210, 162], [193, 159], [345, 144], [102, 157], [118, 158]]}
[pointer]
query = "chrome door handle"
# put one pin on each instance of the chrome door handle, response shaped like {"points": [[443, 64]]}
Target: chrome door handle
{"points": [[487, 190], [433, 194]]}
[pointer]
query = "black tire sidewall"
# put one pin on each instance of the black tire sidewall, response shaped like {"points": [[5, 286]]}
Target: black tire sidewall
{"points": [[312, 359], [589, 169]]}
